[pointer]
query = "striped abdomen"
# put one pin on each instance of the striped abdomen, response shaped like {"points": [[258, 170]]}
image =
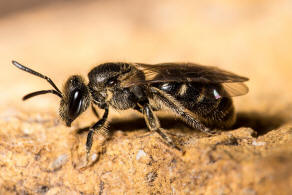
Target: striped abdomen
{"points": [[204, 100]]}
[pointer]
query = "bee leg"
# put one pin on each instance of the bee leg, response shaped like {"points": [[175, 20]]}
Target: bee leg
{"points": [[169, 102], [94, 111], [97, 127], [154, 125]]}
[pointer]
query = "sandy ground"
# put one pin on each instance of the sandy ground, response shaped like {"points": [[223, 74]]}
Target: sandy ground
{"points": [[39, 155]]}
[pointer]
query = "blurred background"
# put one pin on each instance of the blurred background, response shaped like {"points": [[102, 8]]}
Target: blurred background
{"points": [[58, 38]]}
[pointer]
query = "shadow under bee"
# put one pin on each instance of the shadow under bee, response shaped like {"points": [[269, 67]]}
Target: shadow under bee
{"points": [[137, 123], [260, 122]]}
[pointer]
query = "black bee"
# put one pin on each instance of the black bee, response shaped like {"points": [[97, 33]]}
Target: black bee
{"points": [[200, 95]]}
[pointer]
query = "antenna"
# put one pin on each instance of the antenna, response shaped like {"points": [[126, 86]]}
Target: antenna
{"points": [[26, 69]]}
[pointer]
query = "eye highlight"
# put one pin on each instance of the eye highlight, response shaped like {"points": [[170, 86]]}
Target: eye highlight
{"points": [[75, 103]]}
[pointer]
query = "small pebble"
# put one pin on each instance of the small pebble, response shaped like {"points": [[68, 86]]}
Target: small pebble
{"points": [[93, 157], [255, 143], [27, 131], [59, 162], [140, 154]]}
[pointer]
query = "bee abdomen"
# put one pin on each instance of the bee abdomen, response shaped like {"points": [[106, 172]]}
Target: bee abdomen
{"points": [[170, 88], [223, 116], [204, 100], [180, 90]]}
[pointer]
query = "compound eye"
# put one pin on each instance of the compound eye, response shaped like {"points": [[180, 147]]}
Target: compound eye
{"points": [[75, 103]]}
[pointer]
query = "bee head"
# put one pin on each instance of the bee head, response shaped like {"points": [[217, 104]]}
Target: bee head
{"points": [[74, 100]]}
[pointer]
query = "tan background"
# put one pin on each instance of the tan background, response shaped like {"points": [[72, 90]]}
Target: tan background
{"points": [[60, 38]]}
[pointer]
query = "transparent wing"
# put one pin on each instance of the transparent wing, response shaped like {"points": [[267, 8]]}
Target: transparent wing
{"points": [[213, 92], [235, 89]]}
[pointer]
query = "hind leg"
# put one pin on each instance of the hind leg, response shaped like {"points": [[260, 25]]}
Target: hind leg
{"points": [[173, 105]]}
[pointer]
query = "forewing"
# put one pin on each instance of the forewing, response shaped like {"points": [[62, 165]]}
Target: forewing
{"points": [[189, 72]]}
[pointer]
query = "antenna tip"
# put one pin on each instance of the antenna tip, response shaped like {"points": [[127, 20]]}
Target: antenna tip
{"points": [[15, 63]]}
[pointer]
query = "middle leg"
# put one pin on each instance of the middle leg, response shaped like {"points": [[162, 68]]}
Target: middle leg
{"points": [[153, 124]]}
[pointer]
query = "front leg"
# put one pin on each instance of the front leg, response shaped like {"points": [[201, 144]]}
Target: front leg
{"points": [[153, 124], [94, 111], [97, 127]]}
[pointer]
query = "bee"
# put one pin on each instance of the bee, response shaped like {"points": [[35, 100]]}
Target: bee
{"points": [[199, 95]]}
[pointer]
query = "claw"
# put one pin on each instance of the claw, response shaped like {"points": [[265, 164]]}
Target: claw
{"points": [[209, 131], [179, 149]]}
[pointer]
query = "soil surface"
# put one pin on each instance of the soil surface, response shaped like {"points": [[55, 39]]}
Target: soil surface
{"points": [[40, 155]]}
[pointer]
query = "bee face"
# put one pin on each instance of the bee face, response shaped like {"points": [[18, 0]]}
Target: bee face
{"points": [[76, 99]]}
